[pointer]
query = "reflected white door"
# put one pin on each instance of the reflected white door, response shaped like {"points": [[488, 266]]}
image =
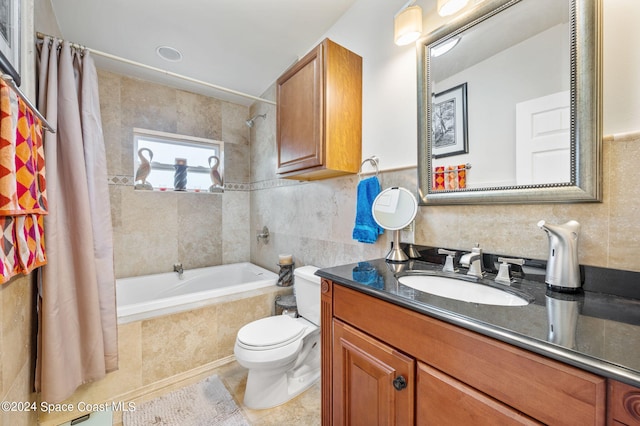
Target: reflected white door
{"points": [[543, 140]]}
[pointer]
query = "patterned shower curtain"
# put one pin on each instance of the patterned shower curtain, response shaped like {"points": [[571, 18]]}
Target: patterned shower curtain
{"points": [[77, 327]]}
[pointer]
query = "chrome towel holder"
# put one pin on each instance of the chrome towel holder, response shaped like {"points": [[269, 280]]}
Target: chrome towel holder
{"points": [[374, 162]]}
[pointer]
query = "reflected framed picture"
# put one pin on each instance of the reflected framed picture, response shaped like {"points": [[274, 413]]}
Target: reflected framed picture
{"points": [[449, 122], [10, 39]]}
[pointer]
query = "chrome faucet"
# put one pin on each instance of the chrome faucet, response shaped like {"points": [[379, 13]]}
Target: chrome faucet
{"points": [[504, 272], [563, 269], [448, 264], [473, 261], [177, 267]]}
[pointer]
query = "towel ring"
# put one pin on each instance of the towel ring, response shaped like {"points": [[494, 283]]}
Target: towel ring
{"points": [[374, 162]]}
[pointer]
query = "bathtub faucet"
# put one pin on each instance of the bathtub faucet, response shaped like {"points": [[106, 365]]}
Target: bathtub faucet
{"points": [[177, 267]]}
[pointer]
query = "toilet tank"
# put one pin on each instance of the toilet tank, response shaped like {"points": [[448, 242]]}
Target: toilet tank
{"points": [[306, 287]]}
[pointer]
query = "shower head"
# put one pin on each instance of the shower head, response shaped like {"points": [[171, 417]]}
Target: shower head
{"points": [[250, 122]]}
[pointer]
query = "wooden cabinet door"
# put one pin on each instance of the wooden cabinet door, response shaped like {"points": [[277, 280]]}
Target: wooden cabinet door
{"points": [[624, 404], [319, 115], [373, 384], [442, 400], [300, 114]]}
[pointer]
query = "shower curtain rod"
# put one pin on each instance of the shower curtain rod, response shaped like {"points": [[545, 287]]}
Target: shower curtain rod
{"points": [[9, 80], [41, 36]]}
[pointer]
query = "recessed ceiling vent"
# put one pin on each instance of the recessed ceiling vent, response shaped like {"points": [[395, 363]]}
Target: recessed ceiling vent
{"points": [[169, 54]]}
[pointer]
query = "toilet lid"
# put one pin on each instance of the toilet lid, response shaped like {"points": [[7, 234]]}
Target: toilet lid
{"points": [[271, 332]]}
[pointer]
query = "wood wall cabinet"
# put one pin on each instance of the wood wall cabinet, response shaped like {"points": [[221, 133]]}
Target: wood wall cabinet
{"points": [[319, 115], [460, 377]]}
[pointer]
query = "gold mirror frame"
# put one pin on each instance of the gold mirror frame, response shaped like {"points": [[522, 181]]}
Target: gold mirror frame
{"points": [[586, 114]]}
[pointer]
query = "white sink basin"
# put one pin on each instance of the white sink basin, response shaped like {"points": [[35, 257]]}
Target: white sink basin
{"points": [[465, 291]]}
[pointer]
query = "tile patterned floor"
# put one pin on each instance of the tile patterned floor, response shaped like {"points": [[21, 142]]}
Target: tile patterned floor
{"points": [[303, 410]]}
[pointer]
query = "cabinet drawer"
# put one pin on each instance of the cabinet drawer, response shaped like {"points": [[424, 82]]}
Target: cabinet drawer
{"points": [[444, 400], [544, 389]]}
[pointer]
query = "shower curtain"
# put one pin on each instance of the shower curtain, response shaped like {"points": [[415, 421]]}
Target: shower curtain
{"points": [[77, 327]]}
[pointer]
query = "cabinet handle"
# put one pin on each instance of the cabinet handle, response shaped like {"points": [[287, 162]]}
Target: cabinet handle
{"points": [[399, 383]]}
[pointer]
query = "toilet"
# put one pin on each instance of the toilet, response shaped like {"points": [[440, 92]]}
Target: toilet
{"points": [[282, 353]]}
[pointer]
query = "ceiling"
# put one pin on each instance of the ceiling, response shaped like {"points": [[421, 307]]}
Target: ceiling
{"points": [[243, 45]]}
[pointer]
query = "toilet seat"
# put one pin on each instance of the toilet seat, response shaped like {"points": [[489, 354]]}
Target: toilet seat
{"points": [[270, 333]]}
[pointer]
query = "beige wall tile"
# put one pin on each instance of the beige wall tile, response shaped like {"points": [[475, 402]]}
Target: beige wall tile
{"points": [[154, 230], [20, 390], [17, 315], [17, 325], [176, 343], [624, 236], [148, 105], [145, 231], [263, 140], [236, 163], [199, 235], [198, 115], [119, 160], [235, 227], [234, 129]]}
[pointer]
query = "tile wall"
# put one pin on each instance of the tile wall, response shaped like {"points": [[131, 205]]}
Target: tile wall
{"points": [[313, 220], [17, 348], [152, 229]]}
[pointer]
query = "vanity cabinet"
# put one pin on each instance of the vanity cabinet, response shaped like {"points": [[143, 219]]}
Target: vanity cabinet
{"points": [[373, 383], [624, 404], [319, 114], [461, 377], [445, 400]]}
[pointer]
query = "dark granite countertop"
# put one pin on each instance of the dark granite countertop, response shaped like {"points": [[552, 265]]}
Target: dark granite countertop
{"points": [[592, 330]]}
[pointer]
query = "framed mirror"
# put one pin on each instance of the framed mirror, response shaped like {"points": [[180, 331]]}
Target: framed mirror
{"points": [[509, 103]]}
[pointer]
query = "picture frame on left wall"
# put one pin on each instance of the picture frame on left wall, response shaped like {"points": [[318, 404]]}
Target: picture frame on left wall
{"points": [[10, 39]]}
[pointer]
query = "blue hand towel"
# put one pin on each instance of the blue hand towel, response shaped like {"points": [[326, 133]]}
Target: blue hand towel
{"points": [[366, 229]]}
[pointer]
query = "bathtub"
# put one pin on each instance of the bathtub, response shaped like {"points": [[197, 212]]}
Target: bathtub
{"points": [[160, 294]]}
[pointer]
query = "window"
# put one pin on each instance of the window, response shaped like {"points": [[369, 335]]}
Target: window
{"points": [[156, 155]]}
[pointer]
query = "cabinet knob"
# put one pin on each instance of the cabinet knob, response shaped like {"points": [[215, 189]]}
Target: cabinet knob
{"points": [[399, 383]]}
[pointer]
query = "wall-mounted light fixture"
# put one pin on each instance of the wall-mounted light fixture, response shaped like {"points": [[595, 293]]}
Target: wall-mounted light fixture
{"points": [[449, 7], [443, 48], [407, 24]]}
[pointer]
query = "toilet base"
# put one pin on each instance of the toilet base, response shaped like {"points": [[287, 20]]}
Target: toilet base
{"points": [[269, 388]]}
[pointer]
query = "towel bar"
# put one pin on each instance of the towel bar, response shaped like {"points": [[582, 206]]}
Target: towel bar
{"points": [[12, 84], [374, 162]]}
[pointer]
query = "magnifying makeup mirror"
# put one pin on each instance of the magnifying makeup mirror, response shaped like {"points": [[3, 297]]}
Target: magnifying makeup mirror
{"points": [[394, 209]]}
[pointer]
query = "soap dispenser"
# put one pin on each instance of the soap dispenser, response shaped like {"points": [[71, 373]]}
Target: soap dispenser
{"points": [[563, 270]]}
